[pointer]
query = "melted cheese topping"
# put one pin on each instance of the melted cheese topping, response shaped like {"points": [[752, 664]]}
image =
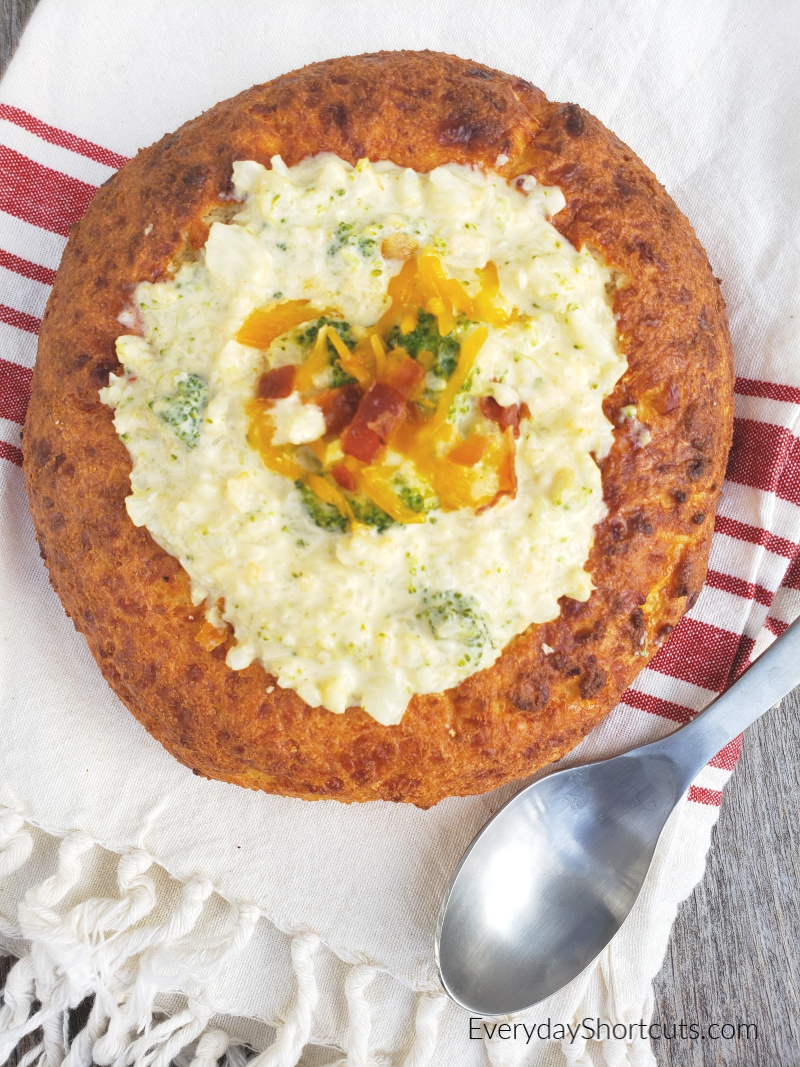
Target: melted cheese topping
{"points": [[369, 616]]}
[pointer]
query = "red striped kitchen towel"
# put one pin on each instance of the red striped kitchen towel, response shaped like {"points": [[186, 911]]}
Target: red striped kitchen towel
{"points": [[48, 176]]}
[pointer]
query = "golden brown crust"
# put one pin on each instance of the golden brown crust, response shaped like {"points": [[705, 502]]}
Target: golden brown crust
{"points": [[131, 599]]}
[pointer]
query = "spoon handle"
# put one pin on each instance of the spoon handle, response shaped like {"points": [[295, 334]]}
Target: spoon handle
{"points": [[775, 673]]}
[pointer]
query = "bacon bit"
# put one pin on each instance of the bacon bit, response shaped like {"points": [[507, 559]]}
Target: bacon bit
{"points": [[339, 406], [277, 383], [209, 637], [344, 477], [379, 414], [361, 443], [504, 417], [467, 453], [405, 376], [382, 409], [506, 471]]}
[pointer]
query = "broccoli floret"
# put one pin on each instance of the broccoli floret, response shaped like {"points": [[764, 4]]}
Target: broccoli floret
{"points": [[184, 411], [371, 515], [412, 498], [324, 515], [339, 376], [345, 330], [425, 337], [309, 335], [343, 235], [329, 517], [452, 616]]}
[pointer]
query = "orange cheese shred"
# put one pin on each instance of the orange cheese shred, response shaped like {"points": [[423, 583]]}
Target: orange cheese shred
{"points": [[379, 351], [484, 307], [374, 481], [265, 324], [469, 351], [468, 451], [472, 472], [351, 364], [330, 493], [316, 362], [276, 458]]}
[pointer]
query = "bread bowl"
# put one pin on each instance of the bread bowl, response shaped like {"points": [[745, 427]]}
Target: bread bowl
{"points": [[671, 412]]}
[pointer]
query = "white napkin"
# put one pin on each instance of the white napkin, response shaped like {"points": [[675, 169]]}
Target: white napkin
{"points": [[251, 918]]}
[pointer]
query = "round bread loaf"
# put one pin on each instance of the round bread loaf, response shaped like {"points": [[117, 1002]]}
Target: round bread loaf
{"points": [[661, 479]]}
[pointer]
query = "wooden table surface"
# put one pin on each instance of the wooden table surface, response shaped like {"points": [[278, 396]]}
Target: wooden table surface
{"points": [[734, 953]]}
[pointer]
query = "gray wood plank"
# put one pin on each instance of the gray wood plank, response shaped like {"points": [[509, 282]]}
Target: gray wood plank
{"points": [[14, 15], [733, 953]]}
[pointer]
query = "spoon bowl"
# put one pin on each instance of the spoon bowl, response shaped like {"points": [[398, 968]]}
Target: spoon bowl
{"points": [[553, 875], [551, 878]]}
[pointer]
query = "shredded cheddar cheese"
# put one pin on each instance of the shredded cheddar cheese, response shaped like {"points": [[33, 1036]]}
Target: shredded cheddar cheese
{"points": [[370, 363]]}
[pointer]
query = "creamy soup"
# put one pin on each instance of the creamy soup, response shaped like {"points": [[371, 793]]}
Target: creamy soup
{"points": [[365, 422]]}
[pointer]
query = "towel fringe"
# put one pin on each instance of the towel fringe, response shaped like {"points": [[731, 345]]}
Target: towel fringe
{"points": [[358, 980], [124, 951], [16, 845], [294, 1034], [211, 1047], [429, 1010]]}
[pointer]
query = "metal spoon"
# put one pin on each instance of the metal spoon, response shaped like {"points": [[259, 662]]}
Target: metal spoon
{"points": [[552, 876]]}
